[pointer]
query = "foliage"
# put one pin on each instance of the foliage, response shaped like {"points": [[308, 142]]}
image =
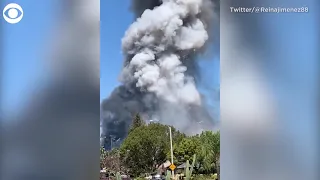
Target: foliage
{"points": [[210, 151], [103, 156], [146, 147], [215, 176], [139, 178], [137, 122], [206, 146], [110, 161], [185, 150], [204, 177]]}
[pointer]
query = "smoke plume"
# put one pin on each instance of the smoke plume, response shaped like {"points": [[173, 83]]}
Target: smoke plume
{"points": [[160, 72]]}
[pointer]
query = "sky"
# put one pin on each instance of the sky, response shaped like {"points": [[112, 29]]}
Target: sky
{"points": [[115, 19], [114, 22], [22, 43], [296, 71]]}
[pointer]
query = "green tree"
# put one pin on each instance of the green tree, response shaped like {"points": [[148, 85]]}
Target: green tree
{"points": [[210, 151], [137, 122], [146, 147], [185, 149]]}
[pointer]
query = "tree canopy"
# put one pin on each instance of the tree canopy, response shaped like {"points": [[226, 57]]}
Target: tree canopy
{"points": [[185, 149], [210, 150], [137, 122], [148, 145]]}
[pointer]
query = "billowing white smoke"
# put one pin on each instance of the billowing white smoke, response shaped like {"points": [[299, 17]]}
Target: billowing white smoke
{"points": [[160, 73], [155, 42]]}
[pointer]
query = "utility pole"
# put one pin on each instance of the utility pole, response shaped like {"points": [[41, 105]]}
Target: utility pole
{"points": [[171, 149]]}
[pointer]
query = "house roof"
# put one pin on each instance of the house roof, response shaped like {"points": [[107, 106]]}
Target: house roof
{"points": [[182, 166]]}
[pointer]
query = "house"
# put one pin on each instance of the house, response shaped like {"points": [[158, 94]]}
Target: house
{"points": [[162, 169]]}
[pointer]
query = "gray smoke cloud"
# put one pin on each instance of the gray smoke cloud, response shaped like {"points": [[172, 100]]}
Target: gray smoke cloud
{"points": [[160, 73]]}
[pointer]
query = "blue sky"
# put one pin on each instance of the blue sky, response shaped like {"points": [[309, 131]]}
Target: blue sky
{"points": [[114, 21], [22, 43], [294, 69]]}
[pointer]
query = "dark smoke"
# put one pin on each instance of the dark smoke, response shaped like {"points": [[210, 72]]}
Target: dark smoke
{"points": [[139, 6], [185, 110]]}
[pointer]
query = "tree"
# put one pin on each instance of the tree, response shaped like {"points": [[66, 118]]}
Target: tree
{"points": [[103, 156], [110, 160], [186, 149], [210, 151], [137, 122], [146, 147]]}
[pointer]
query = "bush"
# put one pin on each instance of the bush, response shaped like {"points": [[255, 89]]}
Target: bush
{"points": [[205, 177], [139, 178], [215, 176]]}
